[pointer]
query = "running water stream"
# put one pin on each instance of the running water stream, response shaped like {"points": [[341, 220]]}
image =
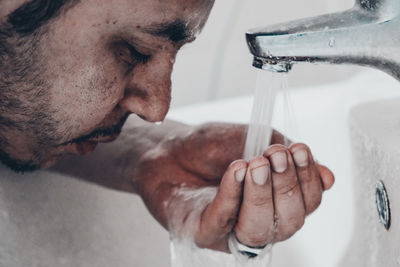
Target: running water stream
{"points": [[184, 252], [260, 130]]}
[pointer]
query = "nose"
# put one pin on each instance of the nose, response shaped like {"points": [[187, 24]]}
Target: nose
{"points": [[148, 92]]}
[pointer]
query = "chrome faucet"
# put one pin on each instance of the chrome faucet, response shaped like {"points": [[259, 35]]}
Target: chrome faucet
{"points": [[368, 34]]}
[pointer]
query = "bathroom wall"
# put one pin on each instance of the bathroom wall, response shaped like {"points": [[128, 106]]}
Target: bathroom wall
{"points": [[218, 63]]}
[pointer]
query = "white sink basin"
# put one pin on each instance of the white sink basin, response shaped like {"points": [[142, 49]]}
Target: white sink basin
{"points": [[375, 129]]}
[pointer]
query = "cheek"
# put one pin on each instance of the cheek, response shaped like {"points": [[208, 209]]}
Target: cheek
{"points": [[86, 83], [85, 96]]}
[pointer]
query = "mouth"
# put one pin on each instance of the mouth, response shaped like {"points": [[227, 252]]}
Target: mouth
{"points": [[87, 143], [102, 138]]}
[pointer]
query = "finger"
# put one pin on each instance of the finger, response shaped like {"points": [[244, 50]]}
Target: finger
{"points": [[255, 226], [288, 198], [308, 175], [327, 177], [220, 216]]}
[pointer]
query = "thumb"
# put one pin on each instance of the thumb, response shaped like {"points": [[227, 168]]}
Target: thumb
{"points": [[220, 216]]}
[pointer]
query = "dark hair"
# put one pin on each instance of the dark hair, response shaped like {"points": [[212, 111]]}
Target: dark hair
{"points": [[32, 15]]}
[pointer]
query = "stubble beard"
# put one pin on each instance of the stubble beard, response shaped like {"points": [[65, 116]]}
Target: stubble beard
{"points": [[24, 102]]}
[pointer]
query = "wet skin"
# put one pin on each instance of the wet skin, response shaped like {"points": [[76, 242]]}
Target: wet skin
{"points": [[106, 59], [262, 201]]}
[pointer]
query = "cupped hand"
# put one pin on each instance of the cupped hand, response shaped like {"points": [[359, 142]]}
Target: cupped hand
{"points": [[265, 200], [262, 201]]}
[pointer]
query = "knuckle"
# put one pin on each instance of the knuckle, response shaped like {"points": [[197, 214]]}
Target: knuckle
{"points": [[260, 200]]}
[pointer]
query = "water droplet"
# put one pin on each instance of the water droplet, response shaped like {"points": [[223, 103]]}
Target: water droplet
{"points": [[290, 193], [332, 42], [158, 123]]}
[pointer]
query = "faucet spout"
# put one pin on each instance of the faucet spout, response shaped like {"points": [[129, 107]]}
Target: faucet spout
{"points": [[368, 35]]}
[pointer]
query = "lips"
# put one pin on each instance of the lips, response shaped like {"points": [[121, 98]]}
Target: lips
{"points": [[103, 139], [86, 144], [85, 147]]}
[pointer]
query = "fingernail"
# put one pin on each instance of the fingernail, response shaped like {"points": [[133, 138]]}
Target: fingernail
{"points": [[301, 158], [260, 175], [239, 175], [279, 161]]}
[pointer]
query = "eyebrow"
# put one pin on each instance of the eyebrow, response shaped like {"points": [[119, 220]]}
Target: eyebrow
{"points": [[175, 31]]}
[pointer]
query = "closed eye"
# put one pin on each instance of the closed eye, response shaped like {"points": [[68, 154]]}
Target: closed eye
{"points": [[129, 54], [142, 58]]}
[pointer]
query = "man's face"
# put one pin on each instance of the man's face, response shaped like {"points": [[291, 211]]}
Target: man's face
{"points": [[102, 60]]}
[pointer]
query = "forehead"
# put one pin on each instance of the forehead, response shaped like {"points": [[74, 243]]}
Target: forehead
{"points": [[142, 12]]}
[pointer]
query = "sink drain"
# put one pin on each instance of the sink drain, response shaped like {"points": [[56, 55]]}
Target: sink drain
{"points": [[382, 204]]}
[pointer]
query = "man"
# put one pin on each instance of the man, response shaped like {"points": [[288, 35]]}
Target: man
{"points": [[72, 71]]}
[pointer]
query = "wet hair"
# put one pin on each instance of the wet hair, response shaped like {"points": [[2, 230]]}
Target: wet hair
{"points": [[32, 15]]}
